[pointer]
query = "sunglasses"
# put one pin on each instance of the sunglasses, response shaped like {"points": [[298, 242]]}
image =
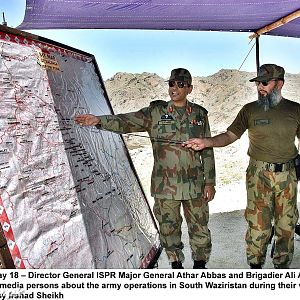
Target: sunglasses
{"points": [[264, 83], [179, 84]]}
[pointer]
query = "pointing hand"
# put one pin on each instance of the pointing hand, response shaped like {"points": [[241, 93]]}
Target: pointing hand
{"points": [[87, 120], [195, 144]]}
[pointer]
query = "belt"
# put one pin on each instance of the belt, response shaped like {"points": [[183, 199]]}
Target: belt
{"points": [[273, 167]]}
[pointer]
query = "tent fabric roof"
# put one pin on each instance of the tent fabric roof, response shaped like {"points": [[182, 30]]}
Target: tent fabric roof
{"points": [[202, 15]]}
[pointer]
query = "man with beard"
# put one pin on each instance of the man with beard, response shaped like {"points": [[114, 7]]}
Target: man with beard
{"points": [[180, 177], [273, 122]]}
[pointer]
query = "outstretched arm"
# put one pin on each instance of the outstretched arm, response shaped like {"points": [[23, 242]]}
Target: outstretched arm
{"points": [[219, 140], [121, 123]]}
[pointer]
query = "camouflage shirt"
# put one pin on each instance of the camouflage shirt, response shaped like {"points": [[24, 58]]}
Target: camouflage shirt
{"points": [[178, 173]]}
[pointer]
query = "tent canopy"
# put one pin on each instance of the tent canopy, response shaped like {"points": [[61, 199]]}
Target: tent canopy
{"points": [[202, 15]]}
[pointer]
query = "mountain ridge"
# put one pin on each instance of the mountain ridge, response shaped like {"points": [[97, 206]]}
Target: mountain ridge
{"points": [[222, 94]]}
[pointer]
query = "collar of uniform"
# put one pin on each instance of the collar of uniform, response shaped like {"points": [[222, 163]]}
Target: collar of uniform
{"points": [[171, 107]]}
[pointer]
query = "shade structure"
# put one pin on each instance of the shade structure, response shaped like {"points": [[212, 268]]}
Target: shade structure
{"points": [[205, 15]]}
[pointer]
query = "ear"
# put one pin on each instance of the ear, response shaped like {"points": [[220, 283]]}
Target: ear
{"points": [[280, 84], [190, 89]]}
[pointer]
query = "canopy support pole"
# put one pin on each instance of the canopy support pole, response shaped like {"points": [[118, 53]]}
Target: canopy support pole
{"points": [[257, 53], [259, 32]]}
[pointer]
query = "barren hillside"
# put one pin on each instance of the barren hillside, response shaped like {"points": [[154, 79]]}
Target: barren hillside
{"points": [[222, 94]]}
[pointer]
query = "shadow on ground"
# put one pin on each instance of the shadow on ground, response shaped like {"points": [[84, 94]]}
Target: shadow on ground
{"points": [[228, 252]]}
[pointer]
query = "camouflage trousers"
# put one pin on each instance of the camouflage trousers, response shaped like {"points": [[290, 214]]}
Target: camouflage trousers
{"points": [[196, 213], [271, 200]]}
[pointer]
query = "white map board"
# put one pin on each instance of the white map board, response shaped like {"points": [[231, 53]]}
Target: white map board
{"points": [[69, 197]]}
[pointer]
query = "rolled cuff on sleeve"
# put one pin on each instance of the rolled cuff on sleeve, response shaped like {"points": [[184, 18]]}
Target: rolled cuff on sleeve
{"points": [[235, 131], [211, 182], [240, 123]]}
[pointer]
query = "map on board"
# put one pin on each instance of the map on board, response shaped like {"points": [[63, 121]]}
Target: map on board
{"points": [[69, 197]]}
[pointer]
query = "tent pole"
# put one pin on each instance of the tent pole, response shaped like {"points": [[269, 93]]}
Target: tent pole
{"points": [[4, 23], [257, 53]]}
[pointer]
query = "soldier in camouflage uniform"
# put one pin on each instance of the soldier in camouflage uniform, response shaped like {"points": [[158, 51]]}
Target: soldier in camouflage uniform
{"points": [[180, 176], [273, 123]]}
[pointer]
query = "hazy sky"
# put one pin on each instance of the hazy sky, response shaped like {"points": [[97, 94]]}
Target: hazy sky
{"points": [[136, 51]]}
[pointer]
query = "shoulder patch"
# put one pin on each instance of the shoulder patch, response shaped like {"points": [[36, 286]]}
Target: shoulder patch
{"points": [[201, 108], [158, 103], [205, 110]]}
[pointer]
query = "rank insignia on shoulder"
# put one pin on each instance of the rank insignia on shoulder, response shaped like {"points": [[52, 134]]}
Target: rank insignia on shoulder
{"points": [[166, 117]]}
